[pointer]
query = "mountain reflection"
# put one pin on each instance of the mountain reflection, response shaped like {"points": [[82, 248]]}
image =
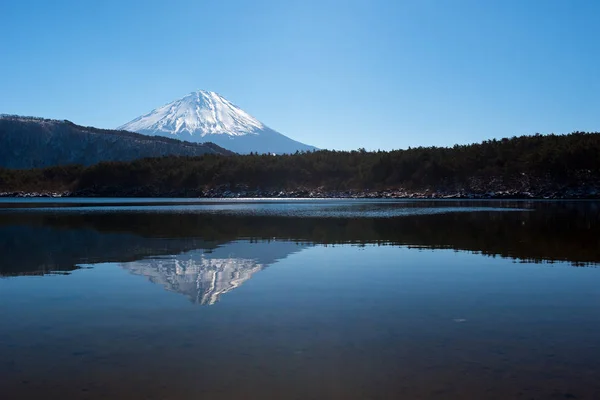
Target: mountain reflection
{"points": [[43, 241], [205, 276], [202, 280]]}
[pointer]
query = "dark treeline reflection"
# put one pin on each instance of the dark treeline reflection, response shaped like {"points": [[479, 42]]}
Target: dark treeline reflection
{"points": [[43, 241]]}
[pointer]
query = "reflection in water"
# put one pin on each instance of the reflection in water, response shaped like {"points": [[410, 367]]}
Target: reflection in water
{"points": [[204, 276], [201, 279], [38, 242], [372, 317], [39, 247]]}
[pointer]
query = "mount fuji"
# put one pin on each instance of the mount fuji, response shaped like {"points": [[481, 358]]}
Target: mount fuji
{"points": [[208, 117]]}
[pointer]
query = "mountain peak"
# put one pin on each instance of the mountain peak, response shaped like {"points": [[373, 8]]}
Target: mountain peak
{"points": [[198, 113], [201, 96], [205, 92], [206, 116]]}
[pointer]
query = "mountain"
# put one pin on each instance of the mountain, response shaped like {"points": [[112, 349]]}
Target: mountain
{"points": [[28, 142], [208, 117]]}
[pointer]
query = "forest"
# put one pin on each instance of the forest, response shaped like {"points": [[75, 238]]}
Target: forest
{"points": [[542, 164]]}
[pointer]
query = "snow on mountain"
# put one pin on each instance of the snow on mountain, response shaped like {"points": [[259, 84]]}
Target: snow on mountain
{"points": [[208, 117]]}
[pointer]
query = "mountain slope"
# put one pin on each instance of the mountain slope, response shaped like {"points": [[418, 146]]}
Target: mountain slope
{"points": [[27, 142], [208, 117]]}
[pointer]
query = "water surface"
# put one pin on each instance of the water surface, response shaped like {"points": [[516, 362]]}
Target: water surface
{"points": [[339, 299]]}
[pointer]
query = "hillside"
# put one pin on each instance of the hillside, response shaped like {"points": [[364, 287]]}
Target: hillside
{"points": [[552, 166], [27, 142]]}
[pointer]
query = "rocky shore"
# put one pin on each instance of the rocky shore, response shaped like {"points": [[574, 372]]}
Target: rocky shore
{"points": [[585, 192]]}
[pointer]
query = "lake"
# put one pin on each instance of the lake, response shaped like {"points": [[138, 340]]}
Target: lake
{"points": [[299, 299]]}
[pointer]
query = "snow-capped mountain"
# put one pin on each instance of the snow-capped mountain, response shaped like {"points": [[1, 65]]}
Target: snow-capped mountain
{"points": [[208, 117]]}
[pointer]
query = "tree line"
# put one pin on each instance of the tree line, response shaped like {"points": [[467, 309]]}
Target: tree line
{"points": [[561, 159]]}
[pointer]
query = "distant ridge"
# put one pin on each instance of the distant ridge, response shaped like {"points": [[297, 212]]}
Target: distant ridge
{"points": [[204, 116], [33, 142]]}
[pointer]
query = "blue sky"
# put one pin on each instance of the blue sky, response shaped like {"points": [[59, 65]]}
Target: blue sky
{"points": [[334, 74]]}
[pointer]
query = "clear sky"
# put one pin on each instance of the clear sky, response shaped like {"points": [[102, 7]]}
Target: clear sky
{"points": [[334, 74]]}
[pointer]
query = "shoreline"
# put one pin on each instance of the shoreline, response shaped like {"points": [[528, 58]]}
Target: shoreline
{"points": [[570, 194]]}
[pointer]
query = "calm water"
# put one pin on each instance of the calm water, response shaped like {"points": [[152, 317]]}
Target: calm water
{"points": [[320, 299]]}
